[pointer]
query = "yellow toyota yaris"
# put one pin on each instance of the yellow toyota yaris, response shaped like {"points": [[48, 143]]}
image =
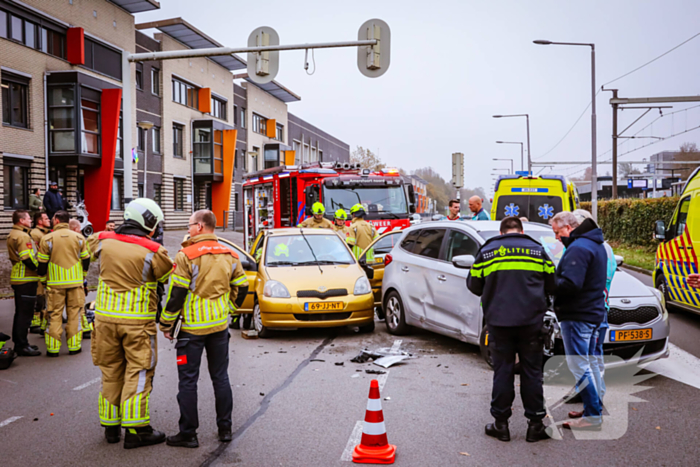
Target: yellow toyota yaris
{"points": [[308, 278]]}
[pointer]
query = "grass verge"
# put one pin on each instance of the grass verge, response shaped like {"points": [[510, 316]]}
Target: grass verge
{"points": [[639, 256]]}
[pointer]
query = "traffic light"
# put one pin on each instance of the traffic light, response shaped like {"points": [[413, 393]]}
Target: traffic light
{"points": [[457, 169], [373, 60], [263, 66]]}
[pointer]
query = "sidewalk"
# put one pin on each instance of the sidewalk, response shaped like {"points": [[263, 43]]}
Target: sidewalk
{"points": [[172, 240]]}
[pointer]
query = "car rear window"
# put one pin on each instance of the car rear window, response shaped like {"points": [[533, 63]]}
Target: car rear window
{"points": [[537, 208], [429, 242]]}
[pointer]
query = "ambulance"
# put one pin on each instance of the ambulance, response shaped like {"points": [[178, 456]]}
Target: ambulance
{"points": [[676, 255], [282, 196], [538, 198]]}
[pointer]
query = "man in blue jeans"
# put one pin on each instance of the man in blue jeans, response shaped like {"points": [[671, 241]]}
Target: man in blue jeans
{"points": [[580, 307]]}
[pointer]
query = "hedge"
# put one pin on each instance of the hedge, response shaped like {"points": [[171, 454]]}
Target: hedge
{"points": [[631, 221]]}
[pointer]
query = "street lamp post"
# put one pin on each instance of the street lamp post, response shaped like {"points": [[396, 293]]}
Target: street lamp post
{"points": [[511, 164], [527, 121], [594, 166], [522, 159]]}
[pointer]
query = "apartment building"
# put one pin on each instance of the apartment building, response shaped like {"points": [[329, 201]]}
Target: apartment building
{"points": [[311, 144]]}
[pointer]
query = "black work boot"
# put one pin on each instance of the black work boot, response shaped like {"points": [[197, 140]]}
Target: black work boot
{"points": [[113, 433], [498, 430], [225, 435], [142, 436], [183, 440], [536, 431], [35, 330], [75, 352]]}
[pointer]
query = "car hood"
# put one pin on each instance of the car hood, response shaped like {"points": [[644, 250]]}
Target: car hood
{"points": [[342, 276], [626, 285]]}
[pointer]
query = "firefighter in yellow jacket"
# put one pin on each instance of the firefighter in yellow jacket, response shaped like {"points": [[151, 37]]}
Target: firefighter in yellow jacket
{"points": [[42, 226], [207, 285], [64, 260], [339, 226], [362, 233], [124, 342], [317, 221], [24, 279]]}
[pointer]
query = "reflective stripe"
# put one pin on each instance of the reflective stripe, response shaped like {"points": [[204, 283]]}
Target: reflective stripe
{"points": [[374, 428], [374, 405], [42, 257], [180, 280], [147, 266], [508, 266], [142, 381], [125, 315], [52, 345], [240, 281], [109, 414], [60, 276], [84, 254], [200, 313], [132, 304]]}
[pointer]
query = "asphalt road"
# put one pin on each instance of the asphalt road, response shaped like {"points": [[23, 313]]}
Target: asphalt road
{"points": [[295, 407]]}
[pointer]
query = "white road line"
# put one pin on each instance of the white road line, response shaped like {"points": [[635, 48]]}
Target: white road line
{"points": [[89, 383], [9, 420], [680, 366], [356, 434]]}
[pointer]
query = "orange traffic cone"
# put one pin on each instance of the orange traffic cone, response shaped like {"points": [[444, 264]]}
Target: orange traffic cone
{"points": [[374, 447]]}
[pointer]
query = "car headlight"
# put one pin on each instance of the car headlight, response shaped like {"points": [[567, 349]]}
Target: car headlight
{"points": [[362, 286], [274, 289], [660, 296]]}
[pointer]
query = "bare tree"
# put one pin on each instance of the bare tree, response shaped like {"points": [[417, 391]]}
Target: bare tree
{"points": [[626, 169], [367, 159]]}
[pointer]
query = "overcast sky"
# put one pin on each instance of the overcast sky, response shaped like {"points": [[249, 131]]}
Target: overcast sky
{"points": [[456, 63]]}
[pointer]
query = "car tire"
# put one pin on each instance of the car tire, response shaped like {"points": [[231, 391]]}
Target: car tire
{"points": [[262, 331], [367, 328], [395, 314], [662, 286], [87, 231], [247, 320]]}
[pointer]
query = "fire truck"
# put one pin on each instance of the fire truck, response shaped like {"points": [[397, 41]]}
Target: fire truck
{"points": [[282, 196]]}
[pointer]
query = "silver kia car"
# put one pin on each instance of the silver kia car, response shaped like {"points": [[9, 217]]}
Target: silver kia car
{"points": [[424, 285]]}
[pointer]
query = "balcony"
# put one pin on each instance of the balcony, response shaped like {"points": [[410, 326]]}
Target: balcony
{"points": [[208, 150]]}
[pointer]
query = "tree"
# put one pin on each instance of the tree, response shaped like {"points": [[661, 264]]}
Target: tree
{"points": [[442, 191], [688, 148], [367, 159], [586, 175], [626, 169]]}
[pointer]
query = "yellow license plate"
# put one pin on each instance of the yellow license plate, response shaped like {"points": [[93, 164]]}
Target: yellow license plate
{"points": [[322, 306], [630, 335]]}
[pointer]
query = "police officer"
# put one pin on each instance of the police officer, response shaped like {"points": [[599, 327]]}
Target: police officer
{"points": [[513, 275], [362, 233], [339, 225], [208, 279], [24, 279], [124, 341], [64, 260], [42, 226], [317, 221]]}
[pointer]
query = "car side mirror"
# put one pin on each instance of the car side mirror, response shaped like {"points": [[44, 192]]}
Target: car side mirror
{"points": [[367, 269], [660, 230], [463, 261], [619, 260]]}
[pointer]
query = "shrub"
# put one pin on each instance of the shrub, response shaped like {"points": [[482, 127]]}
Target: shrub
{"points": [[631, 221]]}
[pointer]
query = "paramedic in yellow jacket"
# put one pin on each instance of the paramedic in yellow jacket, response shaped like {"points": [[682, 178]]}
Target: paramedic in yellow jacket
{"points": [[64, 260], [339, 226], [317, 221], [362, 233], [124, 343], [207, 285], [24, 279], [42, 226]]}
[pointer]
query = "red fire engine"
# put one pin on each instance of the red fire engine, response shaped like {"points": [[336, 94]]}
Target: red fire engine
{"points": [[282, 196]]}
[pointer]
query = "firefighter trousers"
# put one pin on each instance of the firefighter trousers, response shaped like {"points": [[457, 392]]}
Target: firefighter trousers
{"points": [[25, 297], [73, 300], [39, 319], [127, 356]]}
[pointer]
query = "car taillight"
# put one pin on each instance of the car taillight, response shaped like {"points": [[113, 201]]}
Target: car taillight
{"points": [[387, 259]]}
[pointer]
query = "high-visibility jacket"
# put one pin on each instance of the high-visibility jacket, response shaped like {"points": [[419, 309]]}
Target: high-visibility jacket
{"points": [[130, 268], [64, 250], [21, 249], [312, 223], [38, 233], [362, 233], [343, 231], [211, 274]]}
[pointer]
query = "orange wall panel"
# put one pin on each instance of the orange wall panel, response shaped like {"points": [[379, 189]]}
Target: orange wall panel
{"points": [[271, 128], [221, 191], [205, 100]]}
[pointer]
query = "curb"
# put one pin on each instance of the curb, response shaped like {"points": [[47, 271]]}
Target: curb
{"points": [[636, 269]]}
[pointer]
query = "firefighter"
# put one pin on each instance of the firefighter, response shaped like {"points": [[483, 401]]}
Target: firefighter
{"points": [[317, 221], [208, 279], [124, 340], [362, 233], [339, 226], [42, 225], [64, 260], [24, 279]]}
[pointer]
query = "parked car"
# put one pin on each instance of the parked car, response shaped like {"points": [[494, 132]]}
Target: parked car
{"points": [[424, 285]]}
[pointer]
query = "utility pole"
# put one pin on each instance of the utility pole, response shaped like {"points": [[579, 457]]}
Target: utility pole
{"points": [[615, 108]]}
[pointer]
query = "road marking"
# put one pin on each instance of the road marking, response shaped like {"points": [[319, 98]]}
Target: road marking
{"points": [[8, 421], [7, 381], [680, 366], [356, 434], [89, 383]]}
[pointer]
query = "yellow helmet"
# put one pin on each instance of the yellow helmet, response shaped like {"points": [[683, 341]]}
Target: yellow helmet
{"points": [[282, 249], [341, 214], [358, 209], [318, 208]]}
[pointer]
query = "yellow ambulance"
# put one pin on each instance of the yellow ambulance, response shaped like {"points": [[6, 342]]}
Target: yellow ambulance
{"points": [[676, 255], [538, 198]]}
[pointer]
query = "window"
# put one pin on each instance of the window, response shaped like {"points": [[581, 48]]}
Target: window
{"points": [[155, 81], [156, 140], [16, 28], [255, 157], [117, 192], [218, 108], [120, 139], [681, 217], [158, 194], [139, 75], [58, 175], [15, 183], [185, 94], [108, 61], [179, 194], [55, 43], [320, 155], [384, 246], [140, 190], [61, 119], [313, 154], [424, 242], [272, 158], [218, 152], [259, 124], [141, 138], [280, 133], [242, 119], [460, 244], [14, 100], [236, 117], [3, 24], [202, 150], [32, 35], [178, 131], [90, 124]]}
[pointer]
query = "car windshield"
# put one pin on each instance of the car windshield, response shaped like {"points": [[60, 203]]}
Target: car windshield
{"points": [[376, 200], [546, 238], [295, 250]]}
